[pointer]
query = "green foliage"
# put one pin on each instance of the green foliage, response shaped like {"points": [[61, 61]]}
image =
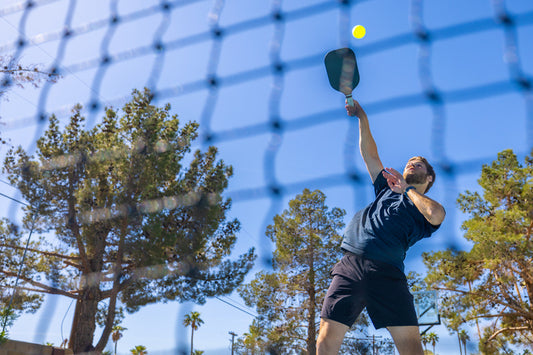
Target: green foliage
{"points": [[116, 335], [431, 339], [16, 299], [139, 350], [254, 342], [492, 282], [463, 337], [3, 337], [193, 319], [7, 318], [131, 215], [102, 314], [288, 298]]}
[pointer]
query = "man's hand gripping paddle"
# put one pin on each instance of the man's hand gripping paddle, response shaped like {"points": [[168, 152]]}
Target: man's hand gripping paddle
{"points": [[343, 74]]}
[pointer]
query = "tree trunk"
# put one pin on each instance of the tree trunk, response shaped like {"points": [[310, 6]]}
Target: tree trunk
{"points": [[192, 337], [83, 324], [311, 327], [111, 308], [111, 312], [311, 330]]}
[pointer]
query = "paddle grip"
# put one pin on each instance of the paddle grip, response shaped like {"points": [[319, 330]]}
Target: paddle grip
{"points": [[350, 100]]}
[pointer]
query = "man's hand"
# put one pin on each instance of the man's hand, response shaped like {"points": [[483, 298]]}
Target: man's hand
{"points": [[395, 180], [355, 110], [431, 210]]}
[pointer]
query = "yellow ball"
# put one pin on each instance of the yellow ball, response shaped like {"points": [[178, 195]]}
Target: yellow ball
{"points": [[358, 31]]}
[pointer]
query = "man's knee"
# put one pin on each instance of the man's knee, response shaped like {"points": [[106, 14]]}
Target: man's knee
{"points": [[326, 344], [407, 339], [330, 336]]}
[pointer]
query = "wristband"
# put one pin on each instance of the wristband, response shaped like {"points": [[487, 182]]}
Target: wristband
{"points": [[407, 189]]}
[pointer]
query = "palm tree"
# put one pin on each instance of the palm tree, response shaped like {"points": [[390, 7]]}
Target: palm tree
{"points": [[116, 335], [463, 338], [193, 319], [139, 350], [433, 339], [425, 341]]}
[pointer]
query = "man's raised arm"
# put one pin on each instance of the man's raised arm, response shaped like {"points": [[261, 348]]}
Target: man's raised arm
{"points": [[367, 145]]}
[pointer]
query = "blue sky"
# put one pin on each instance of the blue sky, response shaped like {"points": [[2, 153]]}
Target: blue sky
{"points": [[471, 60]]}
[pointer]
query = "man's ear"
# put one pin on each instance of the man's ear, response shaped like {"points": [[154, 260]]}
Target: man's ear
{"points": [[430, 178]]}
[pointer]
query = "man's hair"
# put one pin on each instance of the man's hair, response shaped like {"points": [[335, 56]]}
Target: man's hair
{"points": [[429, 168]]}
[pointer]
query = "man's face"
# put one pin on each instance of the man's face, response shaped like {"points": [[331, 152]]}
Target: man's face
{"points": [[415, 172]]}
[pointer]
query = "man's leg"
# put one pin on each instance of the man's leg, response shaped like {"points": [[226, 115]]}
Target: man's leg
{"points": [[330, 337], [407, 340]]}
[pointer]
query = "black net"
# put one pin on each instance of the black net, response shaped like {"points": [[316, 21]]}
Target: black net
{"points": [[455, 88]]}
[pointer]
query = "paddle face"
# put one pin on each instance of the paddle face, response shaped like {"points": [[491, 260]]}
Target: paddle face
{"points": [[341, 67]]}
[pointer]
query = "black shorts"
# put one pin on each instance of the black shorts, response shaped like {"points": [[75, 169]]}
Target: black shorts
{"points": [[380, 287]]}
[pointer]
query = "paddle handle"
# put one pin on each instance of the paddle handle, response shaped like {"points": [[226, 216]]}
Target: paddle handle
{"points": [[350, 100]]}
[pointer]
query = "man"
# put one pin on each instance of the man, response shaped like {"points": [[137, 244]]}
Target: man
{"points": [[371, 274]]}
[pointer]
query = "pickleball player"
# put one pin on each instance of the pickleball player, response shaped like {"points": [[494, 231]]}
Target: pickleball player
{"points": [[371, 272]]}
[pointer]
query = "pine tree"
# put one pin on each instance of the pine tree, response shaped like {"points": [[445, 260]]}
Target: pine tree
{"points": [[125, 219], [492, 283], [288, 299]]}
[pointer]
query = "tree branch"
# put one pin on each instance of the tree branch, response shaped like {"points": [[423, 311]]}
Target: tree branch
{"points": [[74, 227], [495, 300], [73, 293], [27, 70], [495, 315], [508, 297], [77, 266], [47, 253], [113, 294], [43, 288], [506, 330]]}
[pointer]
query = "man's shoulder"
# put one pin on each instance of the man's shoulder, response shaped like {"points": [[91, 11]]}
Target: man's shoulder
{"points": [[380, 182]]}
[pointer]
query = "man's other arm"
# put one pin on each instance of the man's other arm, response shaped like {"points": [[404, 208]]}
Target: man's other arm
{"points": [[431, 209]]}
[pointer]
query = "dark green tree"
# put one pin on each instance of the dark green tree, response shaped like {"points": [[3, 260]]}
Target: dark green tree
{"points": [[131, 217], [492, 283], [288, 298]]}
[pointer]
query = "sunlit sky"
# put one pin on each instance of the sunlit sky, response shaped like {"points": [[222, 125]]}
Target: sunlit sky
{"points": [[470, 59]]}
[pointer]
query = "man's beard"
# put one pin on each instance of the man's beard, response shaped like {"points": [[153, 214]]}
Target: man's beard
{"points": [[413, 178]]}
